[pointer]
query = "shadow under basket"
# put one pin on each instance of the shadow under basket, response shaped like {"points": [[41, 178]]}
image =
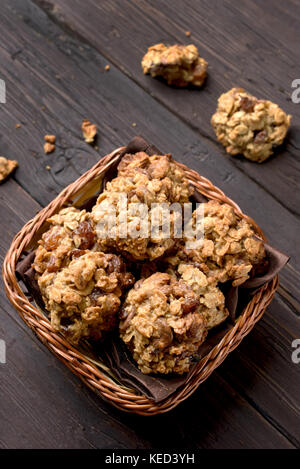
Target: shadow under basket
{"points": [[100, 378]]}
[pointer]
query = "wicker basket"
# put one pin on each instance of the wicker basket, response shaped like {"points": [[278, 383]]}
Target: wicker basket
{"points": [[100, 379]]}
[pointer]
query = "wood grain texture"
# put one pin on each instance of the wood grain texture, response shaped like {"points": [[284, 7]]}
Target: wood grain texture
{"points": [[54, 79], [263, 372], [247, 44], [44, 406], [43, 66]]}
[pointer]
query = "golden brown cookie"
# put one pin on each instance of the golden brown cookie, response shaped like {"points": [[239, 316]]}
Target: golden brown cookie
{"points": [[83, 298], [249, 126], [142, 181], [161, 324], [228, 249], [179, 65]]}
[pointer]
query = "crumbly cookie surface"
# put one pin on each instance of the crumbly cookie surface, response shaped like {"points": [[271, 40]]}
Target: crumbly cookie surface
{"points": [[157, 179], [84, 297], [249, 126], [179, 65], [211, 299], [144, 180], [80, 286], [229, 249], [161, 324], [6, 167], [70, 234]]}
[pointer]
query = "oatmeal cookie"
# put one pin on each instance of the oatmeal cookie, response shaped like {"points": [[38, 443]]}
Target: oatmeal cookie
{"points": [[178, 65], [167, 182], [71, 233], [6, 167], [146, 182], [249, 126], [84, 297], [229, 249], [162, 324]]}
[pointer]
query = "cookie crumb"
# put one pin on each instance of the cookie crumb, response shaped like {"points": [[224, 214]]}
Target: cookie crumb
{"points": [[133, 124], [6, 167], [50, 138], [17, 126], [188, 33], [48, 167], [106, 68], [49, 147], [89, 130]]}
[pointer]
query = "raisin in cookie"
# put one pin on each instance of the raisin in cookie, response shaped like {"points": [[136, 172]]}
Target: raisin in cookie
{"points": [[178, 65], [249, 126]]}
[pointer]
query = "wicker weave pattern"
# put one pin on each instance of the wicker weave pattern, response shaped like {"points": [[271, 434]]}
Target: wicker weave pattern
{"points": [[100, 381]]}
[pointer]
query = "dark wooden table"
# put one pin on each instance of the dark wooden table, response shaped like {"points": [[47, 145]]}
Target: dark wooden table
{"points": [[53, 55]]}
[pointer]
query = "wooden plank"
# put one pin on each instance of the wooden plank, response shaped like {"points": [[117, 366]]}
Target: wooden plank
{"points": [[47, 407], [263, 372], [31, 61], [247, 44]]}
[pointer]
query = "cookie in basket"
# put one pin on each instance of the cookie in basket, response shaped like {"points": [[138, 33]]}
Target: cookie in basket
{"points": [[229, 251], [142, 181], [163, 324], [81, 287]]}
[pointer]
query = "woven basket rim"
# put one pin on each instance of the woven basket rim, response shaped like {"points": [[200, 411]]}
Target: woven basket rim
{"points": [[99, 380]]}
